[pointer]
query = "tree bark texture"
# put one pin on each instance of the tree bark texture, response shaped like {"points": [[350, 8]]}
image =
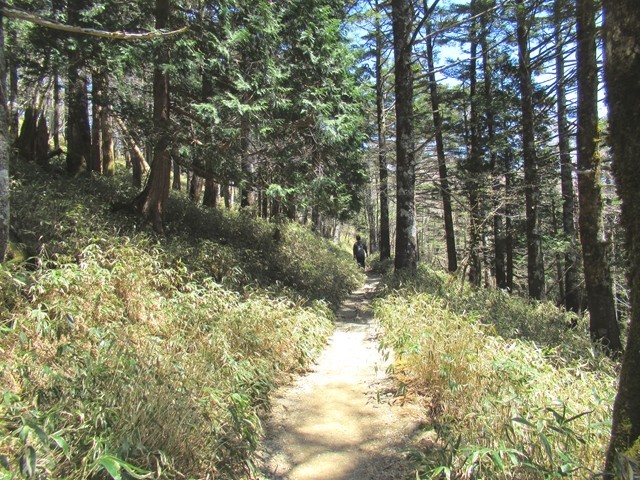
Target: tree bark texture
{"points": [[247, 198], [499, 236], [41, 142], [572, 298], [210, 197], [5, 204], [445, 192], [406, 249], [95, 165], [385, 235], [152, 199], [55, 128], [535, 262], [622, 70], [195, 189], [176, 183], [78, 132], [108, 159], [603, 323], [474, 164]]}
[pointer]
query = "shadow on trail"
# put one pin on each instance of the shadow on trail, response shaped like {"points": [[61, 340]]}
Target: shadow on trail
{"points": [[337, 422]]}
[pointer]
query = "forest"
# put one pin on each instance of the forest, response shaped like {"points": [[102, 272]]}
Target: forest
{"points": [[181, 182]]}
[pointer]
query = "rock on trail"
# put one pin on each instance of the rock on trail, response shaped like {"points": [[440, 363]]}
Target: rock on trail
{"points": [[339, 420]]}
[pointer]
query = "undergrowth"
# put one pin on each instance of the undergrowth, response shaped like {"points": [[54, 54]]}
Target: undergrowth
{"points": [[128, 355], [511, 391]]}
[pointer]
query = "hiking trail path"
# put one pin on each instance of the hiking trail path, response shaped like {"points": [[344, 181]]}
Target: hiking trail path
{"points": [[340, 420]]}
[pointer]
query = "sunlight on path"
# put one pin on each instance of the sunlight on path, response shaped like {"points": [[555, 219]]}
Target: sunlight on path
{"points": [[337, 422]]}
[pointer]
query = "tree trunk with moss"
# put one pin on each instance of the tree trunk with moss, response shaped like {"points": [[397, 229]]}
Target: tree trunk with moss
{"points": [[622, 70], [597, 273]]}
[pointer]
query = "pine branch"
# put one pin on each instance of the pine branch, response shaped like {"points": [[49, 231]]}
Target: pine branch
{"points": [[117, 35]]}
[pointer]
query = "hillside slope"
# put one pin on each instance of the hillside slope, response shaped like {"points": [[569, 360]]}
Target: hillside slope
{"points": [[127, 352]]}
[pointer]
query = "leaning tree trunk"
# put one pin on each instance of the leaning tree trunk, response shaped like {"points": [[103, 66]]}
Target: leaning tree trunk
{"points": [[622, 70], [572, 300], [4, 154], [602, 312], [385, 236], [406, 247], [152, 199], [445, 191], [535, 263], [139, 165]]}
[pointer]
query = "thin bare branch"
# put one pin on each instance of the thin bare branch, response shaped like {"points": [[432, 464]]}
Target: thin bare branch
{"points": [[55, 25]]}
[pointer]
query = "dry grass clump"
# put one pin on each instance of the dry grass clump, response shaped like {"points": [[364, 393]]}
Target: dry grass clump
{"points": [[502, 407], [127, 368], [123, 354]]}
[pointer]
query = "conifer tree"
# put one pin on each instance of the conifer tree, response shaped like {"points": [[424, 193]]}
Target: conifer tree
{"points": [[622, 70]]}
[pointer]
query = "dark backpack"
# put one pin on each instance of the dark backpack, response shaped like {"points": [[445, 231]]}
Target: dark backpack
{"points": [[360, 250]]}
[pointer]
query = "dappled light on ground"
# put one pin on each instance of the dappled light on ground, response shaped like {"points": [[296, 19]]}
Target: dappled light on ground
{"points": [[339, 421]]}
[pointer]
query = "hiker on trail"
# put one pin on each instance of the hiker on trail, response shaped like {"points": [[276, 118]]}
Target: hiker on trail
{"points": [[359, 251]]}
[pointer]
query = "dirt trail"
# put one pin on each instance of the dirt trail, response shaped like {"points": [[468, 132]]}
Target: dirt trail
{"points": [[339, 421]]}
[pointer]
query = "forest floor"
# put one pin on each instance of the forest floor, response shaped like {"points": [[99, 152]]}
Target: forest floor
{"points": [[341, 420]]}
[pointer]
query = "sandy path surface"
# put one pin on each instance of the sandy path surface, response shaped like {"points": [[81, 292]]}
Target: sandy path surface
{"points": [[339, 421]]}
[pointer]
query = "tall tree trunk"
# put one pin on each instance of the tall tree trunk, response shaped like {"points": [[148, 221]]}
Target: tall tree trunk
{"points": [[14, 112], [78, 131], [385, 240], [622, 70], [406, 248], [55, 128], [535, 263], [499, 237], [41, 142], [108, 160], [571, 300], [5, 205], [474, 166], [176, 184], [210, 197], [95, 165], [449, 232], [603, 323], [246, 163], [370, 205], [195, 189], [152, 199], [508, 224], [560, 272]]}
